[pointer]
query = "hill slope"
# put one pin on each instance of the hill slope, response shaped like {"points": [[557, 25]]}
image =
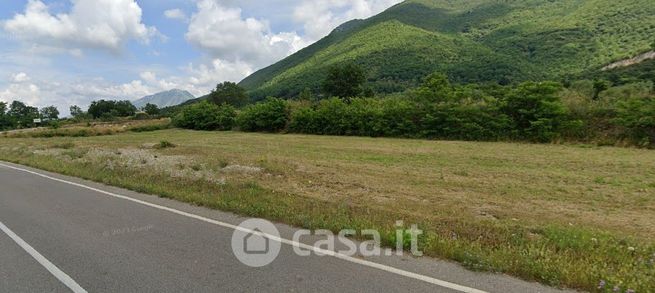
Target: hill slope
{"points": [[165, 99], [472, 41]]}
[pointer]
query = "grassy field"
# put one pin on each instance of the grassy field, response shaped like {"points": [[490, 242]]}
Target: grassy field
{"points": [[564, 215]]}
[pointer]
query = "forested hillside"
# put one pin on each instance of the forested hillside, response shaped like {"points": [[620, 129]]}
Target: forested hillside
{"points": [[503, 41]]}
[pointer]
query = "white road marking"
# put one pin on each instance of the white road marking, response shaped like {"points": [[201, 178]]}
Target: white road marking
{"points": [[393, 270], [54, 270]]}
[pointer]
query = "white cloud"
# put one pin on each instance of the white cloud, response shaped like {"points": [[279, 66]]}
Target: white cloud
{"points": [[26, 92], [104, 90], [200, 79], [151, 79], [177, 14], [226, 35], [20, 77], [203, 78], [66, 91], [320, 17], [100, 24], [236, 44]]}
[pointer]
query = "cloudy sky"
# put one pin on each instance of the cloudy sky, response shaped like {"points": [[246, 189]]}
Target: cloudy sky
{"points": [[64, 52]]}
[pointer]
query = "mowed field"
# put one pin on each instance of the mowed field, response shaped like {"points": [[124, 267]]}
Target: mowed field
{"points": [[565, 215]]}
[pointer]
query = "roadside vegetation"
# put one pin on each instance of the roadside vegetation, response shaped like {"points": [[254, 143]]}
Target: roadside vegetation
{"points": [[575, 216], [581, 111], [96, 128], [103, 117], [19, 115]]}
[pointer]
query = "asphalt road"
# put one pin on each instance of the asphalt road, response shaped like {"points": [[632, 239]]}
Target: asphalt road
{"points": [[62, 234]]}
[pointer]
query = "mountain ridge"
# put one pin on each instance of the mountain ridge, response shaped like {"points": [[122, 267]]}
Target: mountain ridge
{"points": [[164, 99], [477, 41]]}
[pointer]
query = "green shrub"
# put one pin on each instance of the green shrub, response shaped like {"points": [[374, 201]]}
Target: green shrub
{"points": [[108, 110], [398, 117], [637, 115], [151, 127], [271, 115], [164, 144], [331, 117], [536, 110], [206, 116], [304, 120], [141, 116], [477, 121]]}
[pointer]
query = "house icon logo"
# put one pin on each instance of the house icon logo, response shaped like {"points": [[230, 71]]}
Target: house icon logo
{"points": [[253, 244]]}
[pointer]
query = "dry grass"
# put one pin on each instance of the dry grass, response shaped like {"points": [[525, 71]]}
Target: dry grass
{"points": [[91, 129], [608, 188], [536, 211]]}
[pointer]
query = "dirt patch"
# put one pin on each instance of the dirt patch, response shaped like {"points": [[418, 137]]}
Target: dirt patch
{"points": [[242, 169]]}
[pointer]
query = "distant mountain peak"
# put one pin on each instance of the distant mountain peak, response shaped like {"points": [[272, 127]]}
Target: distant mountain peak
{"points": [[164, 99]]}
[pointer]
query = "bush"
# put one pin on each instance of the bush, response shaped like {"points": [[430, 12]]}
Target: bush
{"points": [[164, 144], [150, 127], [206, 116], [332, 117], [151, 109], [637, 115], [271, 115], [536, 111], [141, 116], [229, 93], [478, 121], [107, 110], [398, 117]]}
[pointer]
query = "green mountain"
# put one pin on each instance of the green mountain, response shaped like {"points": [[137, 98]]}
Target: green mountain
{"points": [[472, 41]]}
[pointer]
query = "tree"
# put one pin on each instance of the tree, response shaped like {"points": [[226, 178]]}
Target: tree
{"points": [[637, 115], [151, 109], [271, 115], [345, 81], [368, 92], [599, 86], [206, 116], [76, 111], [5, 121], [229, 93], [50, 113], [17, 109], [436, 88], [22, 114], [536, 110], [110, 109], [305, 95]]}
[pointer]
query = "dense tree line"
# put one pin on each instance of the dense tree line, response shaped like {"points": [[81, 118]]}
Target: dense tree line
{"points": [[582, 110], [108, 110], [19, 115]]}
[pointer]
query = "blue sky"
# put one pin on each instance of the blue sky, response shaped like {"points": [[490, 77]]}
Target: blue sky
{"points": [[71, 52]]}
